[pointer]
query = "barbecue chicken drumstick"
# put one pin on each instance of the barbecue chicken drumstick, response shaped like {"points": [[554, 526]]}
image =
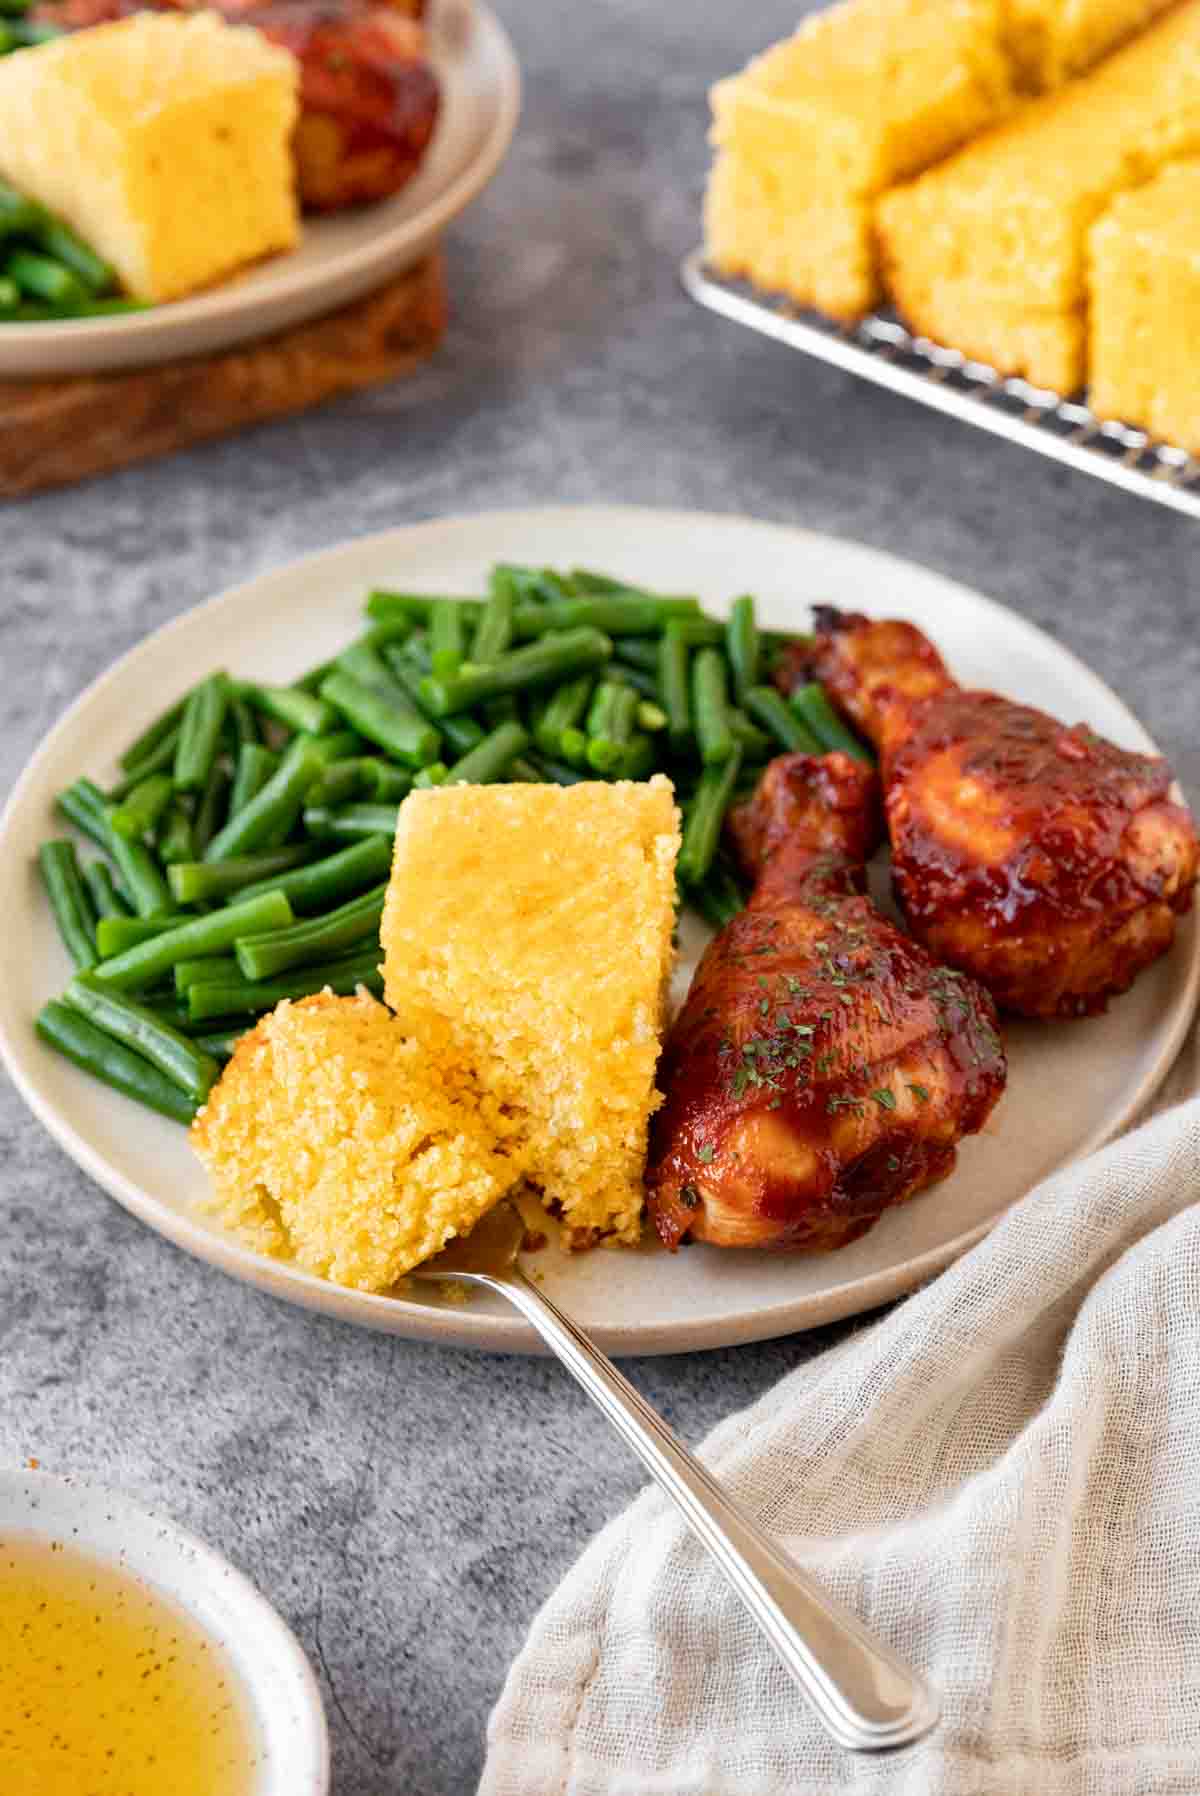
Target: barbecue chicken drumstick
{"points": [[822, 1068], [1043, 860]]}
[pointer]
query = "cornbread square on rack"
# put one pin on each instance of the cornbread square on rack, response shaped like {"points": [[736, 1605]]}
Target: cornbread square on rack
{"points": [[988, 252], [533, 924], [165, 140], [1144, 320], [864, 95], [1052, 40]]}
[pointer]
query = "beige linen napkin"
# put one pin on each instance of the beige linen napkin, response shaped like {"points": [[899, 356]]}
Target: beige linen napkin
{"points": [[1002, 1477]]}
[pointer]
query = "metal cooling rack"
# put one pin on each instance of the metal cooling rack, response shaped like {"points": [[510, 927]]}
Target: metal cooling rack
{"points": [[882, 350]]}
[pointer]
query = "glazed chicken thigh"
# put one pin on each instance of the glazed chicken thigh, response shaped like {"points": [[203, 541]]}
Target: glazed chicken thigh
{"points": [[822, 1067], [1043, 860]]}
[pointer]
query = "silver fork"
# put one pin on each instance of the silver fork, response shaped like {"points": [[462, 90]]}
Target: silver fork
{"points": [[867, 1698]]}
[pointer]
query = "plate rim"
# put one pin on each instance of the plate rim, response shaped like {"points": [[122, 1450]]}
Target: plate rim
{"points": [[502, 1332], [232, 302]]}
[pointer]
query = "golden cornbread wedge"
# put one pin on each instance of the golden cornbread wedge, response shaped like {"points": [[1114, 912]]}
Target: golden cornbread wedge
{"points": [[1144, 320], [1052, 40], [988, 252], [334, 1140], [535, 922], [864, 95], [164, 140]]}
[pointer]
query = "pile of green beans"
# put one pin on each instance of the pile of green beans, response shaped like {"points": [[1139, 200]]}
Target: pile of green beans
{"points": [[46, 270], [247, 841]]}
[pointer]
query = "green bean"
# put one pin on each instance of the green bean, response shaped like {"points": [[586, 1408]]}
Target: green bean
{"points": [[386, 607], [255, 766], [246, 997], [718, 898], [767, 707], [175, 839], [447, 636], [384, 781], [634, 760], [557, 773], [494, 632], [327, 881], [19, 216], [814, 710], [140, 1029], [115, 934], [674, 688], [387, 635], [273, 810], [10, 293], [335, 745], [491, 760], [203, 882], [107, 901], [141, 876], [706, 814], [461, 733], [616, 616], [244, 723], [753, 740], [207, 966], [528, 585], [573, 747], [212, 813], [317, 938], [742, 646], [327, 823], [543, 663], [137, 814], [611, 721], [160, 759], [646, 684], [388, 718], [97, 1053], [59, 240], [84, 804], [220, 1045], [139, 967], [343, 780], [363, 661], [710, 707], [700, 632], [585, 580], [44, 278], [296, 710], [433, 775], [565, 709], [637, 651], [310, 682], [650, 716], [69, 901], [524, 772]]}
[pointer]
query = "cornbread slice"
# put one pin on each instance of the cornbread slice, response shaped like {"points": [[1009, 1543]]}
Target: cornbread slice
{"points": [[988, 252], [536, 922], [864, 95], [165, 141], [1144, 320], [1052, 40], [335, 1141]]}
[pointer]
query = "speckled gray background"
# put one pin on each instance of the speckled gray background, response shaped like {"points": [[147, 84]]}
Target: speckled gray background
{"points": [[409, 1507]]}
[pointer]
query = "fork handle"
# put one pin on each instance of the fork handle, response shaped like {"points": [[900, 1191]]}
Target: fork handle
{"points": [[867, 1698]]}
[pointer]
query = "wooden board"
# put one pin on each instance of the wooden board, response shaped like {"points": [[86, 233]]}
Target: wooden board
{"points": [[54, 432]]}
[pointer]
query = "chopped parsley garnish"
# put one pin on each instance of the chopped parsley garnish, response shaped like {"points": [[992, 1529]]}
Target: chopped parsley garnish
{"points": [[884, 1098], [706, 1153], [920, 1092]]}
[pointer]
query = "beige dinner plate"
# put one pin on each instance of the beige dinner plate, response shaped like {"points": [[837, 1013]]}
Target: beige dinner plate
{"points": [[339, 258], [1072, 1085]]}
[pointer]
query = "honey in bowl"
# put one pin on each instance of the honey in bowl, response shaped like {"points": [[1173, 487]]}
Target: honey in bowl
{"points": [[107, 1689]]}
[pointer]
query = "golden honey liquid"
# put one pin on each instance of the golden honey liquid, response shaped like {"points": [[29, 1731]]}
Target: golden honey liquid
{"points": [[106, 1690]]}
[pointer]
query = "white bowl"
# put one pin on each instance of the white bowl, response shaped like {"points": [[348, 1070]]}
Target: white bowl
{"points": [[276, 1679]]}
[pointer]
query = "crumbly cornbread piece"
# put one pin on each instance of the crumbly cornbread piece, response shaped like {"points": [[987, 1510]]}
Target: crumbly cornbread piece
{"points": [[1144, 317], [165, 141], [864, 95], [334, 1140], [536, 922], [1052, 40], [988, 252]]}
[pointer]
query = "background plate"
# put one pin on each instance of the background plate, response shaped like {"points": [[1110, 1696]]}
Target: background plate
{"points": [[1072, 1085], [339, 258]]}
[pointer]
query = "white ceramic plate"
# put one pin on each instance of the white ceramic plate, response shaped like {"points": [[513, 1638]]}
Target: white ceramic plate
{"points": [[276, 1678], [339, 258], [1072, 1084]]}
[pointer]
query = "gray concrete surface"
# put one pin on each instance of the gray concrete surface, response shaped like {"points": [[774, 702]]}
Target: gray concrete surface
{"points": [[408, 1508]]}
